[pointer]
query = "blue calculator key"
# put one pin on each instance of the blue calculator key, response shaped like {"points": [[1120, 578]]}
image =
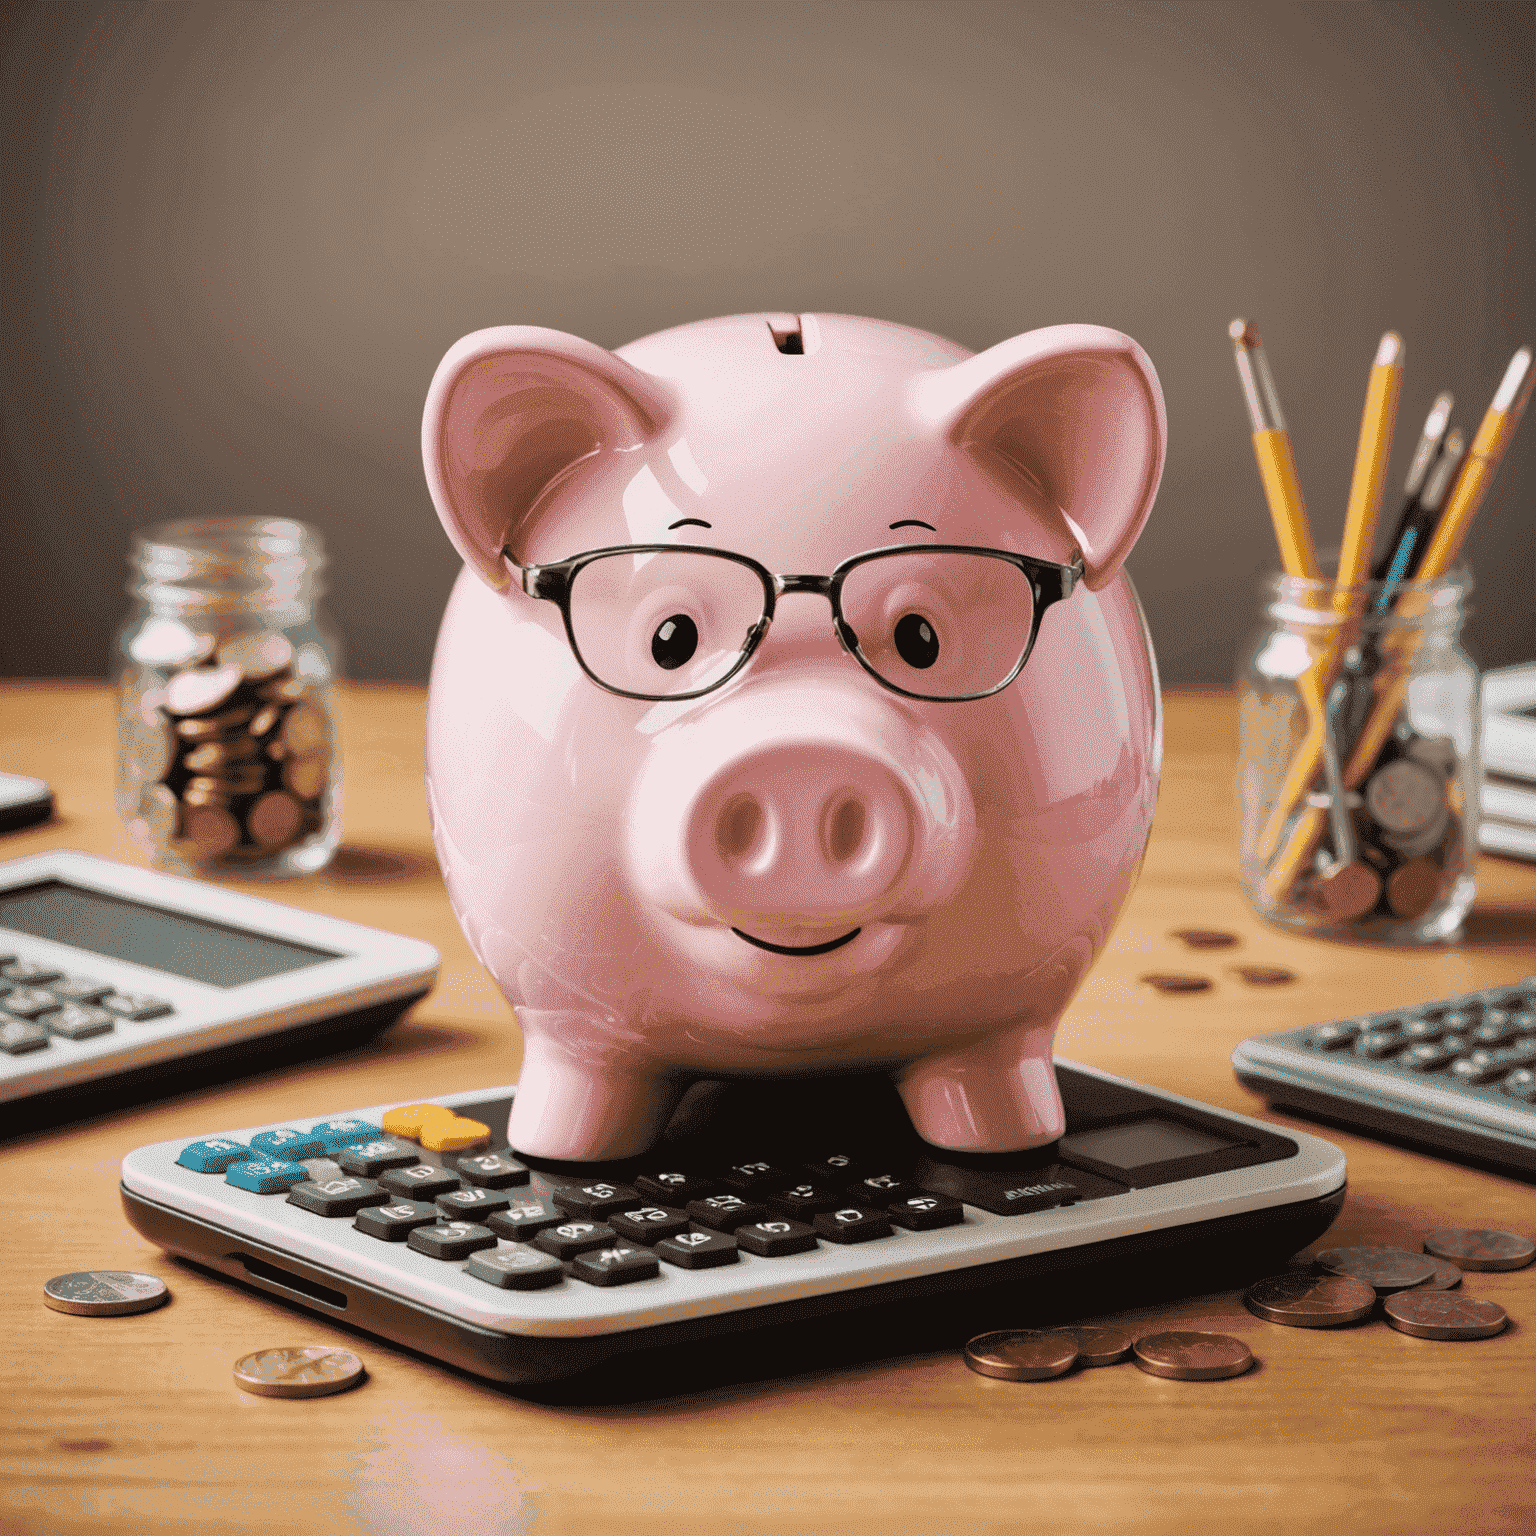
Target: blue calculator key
{"points": [[265, 1178], [287, 1145], [344, 1131], [213, 1155]]}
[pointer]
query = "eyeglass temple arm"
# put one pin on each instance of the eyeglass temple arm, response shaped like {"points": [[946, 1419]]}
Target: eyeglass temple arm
{"points": [[546, 581]]}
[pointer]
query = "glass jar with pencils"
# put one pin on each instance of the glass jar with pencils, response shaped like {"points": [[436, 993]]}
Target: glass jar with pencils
{"points": [[1358, 772]]}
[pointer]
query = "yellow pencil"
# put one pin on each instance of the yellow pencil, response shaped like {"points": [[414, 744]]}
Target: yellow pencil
{"points": [[1371, 461]]}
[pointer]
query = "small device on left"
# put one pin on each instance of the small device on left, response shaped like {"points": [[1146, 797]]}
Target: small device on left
{"points": [[24, 801], [119, 983]]}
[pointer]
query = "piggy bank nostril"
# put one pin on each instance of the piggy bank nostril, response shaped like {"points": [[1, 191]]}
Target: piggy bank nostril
{"points": [[738, 827], [844, 829]]}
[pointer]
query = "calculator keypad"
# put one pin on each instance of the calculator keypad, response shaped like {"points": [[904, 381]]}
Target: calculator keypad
{"points": [[40, 1005]]}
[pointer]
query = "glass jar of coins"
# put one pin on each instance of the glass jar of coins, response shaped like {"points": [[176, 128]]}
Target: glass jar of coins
{"points": [[1358, 767], [228, 756]]}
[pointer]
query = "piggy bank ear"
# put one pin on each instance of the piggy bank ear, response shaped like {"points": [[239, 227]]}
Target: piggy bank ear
{"points": [[510, 409], [1078, 410]]}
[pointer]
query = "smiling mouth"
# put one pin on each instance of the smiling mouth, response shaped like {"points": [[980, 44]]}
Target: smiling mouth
{"points": [[791, 949]]}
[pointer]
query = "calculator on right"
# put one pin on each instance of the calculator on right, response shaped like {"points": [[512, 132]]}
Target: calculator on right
{"points": [[1457, 1075]]}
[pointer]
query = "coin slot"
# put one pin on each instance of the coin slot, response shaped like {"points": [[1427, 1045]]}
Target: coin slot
{"points": [[787, 334], [270, 1274]]}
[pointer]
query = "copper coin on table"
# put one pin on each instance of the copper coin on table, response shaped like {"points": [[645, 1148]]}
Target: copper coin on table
{"points": [[1022, 1354], [1387, 1269], [1192, 1356], [1099, 1345], [1204, 938], [1264, 975], [1176, 981], [306, 1371], [1299, 1300], [1446, 1277], [1475, 1248], [259, 656], [1442, 1315]]}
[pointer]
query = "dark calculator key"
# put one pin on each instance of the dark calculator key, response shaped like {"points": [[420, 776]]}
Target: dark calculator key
{"points": [[754, 1177], [516, 1269], [837, 1167], [451, 1240], [1423, 1029], [594, 1200], [1478, 1068], [394, 1223], [79, 989], [29, 1002], [1333, 1037], [648, 1223], [882, 1189], [29, 973], [618, 1265], [18, 1036], [1378, 1044], [776, 1237], [371, 1158], [344, 1131], [853, 1224], [573, 1237], [805, 1200], [698, 1250], [724, 1213], [1427, 1057], [1521, 1084], [74, 1021], [294, 1146], [1497, 1028], [472, 1204], [136, 1006], [421, 1181], [492, 1170], [337, 1197], [522, 1223], [1521, 1054], [674, 1187], [1460, 1021], [926, 1213]]}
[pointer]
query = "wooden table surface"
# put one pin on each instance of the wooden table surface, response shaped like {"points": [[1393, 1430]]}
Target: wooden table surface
{"points": [[133, 1424]]}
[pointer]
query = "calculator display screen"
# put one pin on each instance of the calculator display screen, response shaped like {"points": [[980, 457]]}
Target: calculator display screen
{"points": [[1143, 1142], [167, 941]]}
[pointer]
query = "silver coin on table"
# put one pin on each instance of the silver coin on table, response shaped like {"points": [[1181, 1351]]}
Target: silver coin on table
{"points": [[1022, 1354], [105, 1293], [1476, 1248], [1192, 1356], [1443, 1315], [1388, 1269], [309, 1370], [1299, 1300]]}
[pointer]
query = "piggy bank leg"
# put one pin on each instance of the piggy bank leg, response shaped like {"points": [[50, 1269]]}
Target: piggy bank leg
{"points": [[996, 1095], [587, 1111]]}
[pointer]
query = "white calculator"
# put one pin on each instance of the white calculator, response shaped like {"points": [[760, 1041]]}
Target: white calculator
{"points": [[775, 1222], [118, 982]]}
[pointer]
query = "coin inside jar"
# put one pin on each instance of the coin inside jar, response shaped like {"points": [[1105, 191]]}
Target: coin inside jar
{"points": [[210, 832], [1022, 1354], [1386, 1269], [305, 1371], [1444, 1315], [306, 776], [1299, 1300], [1192, 1356], [1476, 1248], [1404, 796], [199, 690], [274, 819], [259, 656], [1412, 887], [303, 729]]}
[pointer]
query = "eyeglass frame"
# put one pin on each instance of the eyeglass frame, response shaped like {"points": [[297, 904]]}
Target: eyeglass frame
{"points": [[1049, 581]]}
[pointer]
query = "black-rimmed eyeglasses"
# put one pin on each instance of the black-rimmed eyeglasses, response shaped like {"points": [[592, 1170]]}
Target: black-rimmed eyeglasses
{"points": [[945, 622]]}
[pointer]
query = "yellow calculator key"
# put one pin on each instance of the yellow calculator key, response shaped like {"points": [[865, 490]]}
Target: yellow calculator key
{"points": [[411, 1119], [455, 1135]]}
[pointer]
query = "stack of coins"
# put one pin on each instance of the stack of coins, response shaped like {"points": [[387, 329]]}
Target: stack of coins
{"points": [[1041, 1354], [232, 757]]}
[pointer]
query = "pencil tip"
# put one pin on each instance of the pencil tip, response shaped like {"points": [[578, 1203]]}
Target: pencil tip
{"points": [[1516, 375], [1390, 351], [1244, 332]]}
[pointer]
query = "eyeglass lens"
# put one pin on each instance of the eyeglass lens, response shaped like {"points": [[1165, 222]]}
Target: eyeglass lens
{"points": [[661, 624]]}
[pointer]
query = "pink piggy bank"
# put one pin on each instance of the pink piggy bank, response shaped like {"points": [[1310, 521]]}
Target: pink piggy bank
{"points": [[793, 714]]}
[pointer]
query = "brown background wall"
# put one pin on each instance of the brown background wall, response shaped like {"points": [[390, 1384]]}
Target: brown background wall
{"points": [[238, 237]]}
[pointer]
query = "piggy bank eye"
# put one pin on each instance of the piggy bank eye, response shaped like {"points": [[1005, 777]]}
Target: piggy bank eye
{"points": [[916, 642], [674, 641]]}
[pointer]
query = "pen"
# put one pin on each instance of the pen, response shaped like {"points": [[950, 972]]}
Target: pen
{"points": [[1435, 423], [1272, 448], [1419, 519], [1371, 461]]}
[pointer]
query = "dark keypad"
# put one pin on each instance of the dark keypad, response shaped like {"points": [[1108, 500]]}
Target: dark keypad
{"points": [[1427, 1057], [79, 989], [595, 1200], [724, 1212], [492, 1170], [18, 1036], [1478, 1067], [516, 1269], [29, 973], [337, 1197], [371, 1158], [75, 1021], [648, 1223], [882, 1189], [925, 1212], [524, 1221], [698, 1250], [472, 1204], [1378, 1044], [1333, 1037], [136, 1006], [29, 1002], [1521, 1084], [804, 1200], [394, 1223], [1423, 1029], [837, 1167], [574, 1237], [853, 1224], [421, 1181], [754, 1176], [1497, 1028], [776, 1237], [621, 1264], [451, 1240], [675, 1187]]}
